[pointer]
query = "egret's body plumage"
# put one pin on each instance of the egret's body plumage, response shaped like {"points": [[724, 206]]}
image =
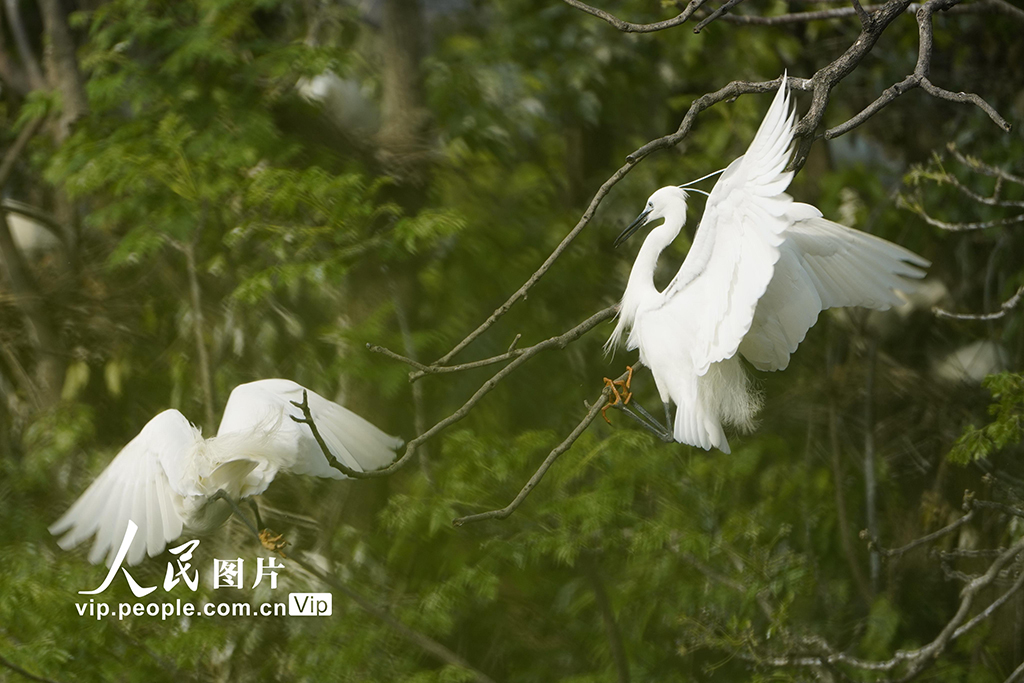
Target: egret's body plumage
{"points": [[166, 478], [760, 270]]}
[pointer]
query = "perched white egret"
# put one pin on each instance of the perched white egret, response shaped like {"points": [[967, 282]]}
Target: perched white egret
{"points": [[760, 270], [169, 477]]}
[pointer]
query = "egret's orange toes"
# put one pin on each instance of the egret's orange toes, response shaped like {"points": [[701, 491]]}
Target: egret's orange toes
{"points": [[613, 400], [271, 541], [621, 387]]}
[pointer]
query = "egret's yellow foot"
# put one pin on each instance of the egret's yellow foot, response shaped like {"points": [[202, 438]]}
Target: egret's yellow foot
{"points": [[271, 541], [617, 396]]}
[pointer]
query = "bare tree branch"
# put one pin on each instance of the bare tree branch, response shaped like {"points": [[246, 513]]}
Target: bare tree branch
{"points": [[629, 27], [861, 12], [558, 342], [913, 662], [890, 553], [1017, 675], [424, 370], [981, 167], [1004, 308], [919, 78], [723, 9]]}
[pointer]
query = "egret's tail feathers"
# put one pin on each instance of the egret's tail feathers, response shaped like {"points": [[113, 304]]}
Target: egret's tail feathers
{"points": [[724, 395], [696, 427]]}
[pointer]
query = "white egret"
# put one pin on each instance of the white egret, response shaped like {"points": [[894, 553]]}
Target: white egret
{"points": [[760, 270], [169, 477]]}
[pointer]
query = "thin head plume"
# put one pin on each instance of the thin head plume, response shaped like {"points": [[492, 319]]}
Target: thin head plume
{"points": [[713, 173], [694, 189]]}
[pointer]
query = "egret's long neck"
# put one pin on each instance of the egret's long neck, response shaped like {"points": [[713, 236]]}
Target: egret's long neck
{"points": [[640, 287], [641, 278]]}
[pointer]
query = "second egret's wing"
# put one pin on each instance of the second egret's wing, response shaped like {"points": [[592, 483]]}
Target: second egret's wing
{"points": [[733, 256], [824, 265], [134, 486], [266, 405]]}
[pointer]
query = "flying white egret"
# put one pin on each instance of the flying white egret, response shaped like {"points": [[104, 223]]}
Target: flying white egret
{"points": [[169, 477], [760, 270]]}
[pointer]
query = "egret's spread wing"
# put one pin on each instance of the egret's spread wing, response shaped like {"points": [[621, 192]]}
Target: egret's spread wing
{"points": [[266, 405], [134, 486], [824, 265], [734, 252]]}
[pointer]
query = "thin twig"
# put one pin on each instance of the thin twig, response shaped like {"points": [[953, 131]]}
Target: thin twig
{"points": [[862, 12], [918, 659], [630, 27], [1001, 507], [981, 167], [934, 536], [424, 370], [559, 342], [968, 227], [1004, 308], [374, 348], [919, 78], [561, 448], [723, 9], [1017, 675]]}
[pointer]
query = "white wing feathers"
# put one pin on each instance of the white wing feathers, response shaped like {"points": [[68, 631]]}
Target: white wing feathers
{"points": [[744, 221], [266, 404], [163, 478], [133, 486], [824, 265], [760, 270]]}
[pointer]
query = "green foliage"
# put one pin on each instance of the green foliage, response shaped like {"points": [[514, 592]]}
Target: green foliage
{"points": [[1005, 429]]}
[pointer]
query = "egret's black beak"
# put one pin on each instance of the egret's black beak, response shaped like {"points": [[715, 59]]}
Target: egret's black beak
{"points": [[640, 221]]}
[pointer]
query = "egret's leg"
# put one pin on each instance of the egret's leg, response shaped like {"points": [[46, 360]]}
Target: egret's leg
{"points": [[668, 414], [221, 495], [255, 511], [648, 423], [268, 539], [663, 432]]}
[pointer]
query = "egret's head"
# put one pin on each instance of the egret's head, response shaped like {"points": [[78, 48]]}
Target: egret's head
{"points": [[667, 200]]}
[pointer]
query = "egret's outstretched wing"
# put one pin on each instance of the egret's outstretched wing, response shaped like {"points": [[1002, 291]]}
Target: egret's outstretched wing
{"points": [[824, 265], [734, 252], [265, 406], [134, 486]]}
